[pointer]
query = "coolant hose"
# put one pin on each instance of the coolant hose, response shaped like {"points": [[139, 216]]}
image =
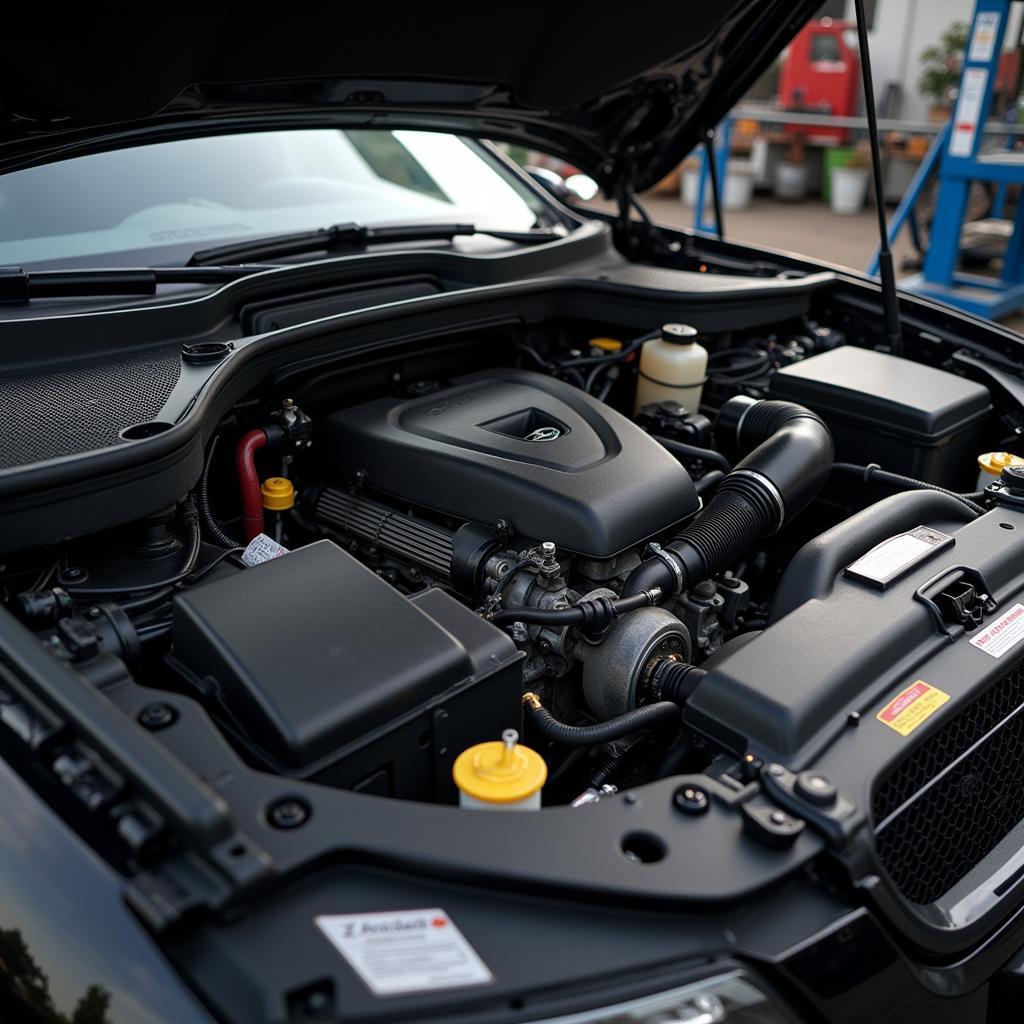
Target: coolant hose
{"points": [[650, 716], [790, 458], [249, 482]]}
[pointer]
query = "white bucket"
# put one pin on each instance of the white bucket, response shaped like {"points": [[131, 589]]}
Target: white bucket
{"points": [[849, 189], [739, 188], [789, 181]]}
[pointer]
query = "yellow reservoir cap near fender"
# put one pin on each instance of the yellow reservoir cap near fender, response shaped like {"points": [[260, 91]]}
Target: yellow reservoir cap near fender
{"points": [[991, 464], [995, 462], [278, 493], [500, 775]]}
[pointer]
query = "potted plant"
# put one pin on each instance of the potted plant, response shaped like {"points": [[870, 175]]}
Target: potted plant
{"points": [[790, 174], [850, 182], [941, 65]]}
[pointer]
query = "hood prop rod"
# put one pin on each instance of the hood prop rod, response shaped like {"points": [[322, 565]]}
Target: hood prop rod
{"points": [[890, 302]]}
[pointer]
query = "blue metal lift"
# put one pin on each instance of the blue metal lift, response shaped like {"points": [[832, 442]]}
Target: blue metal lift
{"points": [[957, 152]]}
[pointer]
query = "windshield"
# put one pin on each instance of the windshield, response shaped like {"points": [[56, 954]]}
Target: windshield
{"points": [[196, 192]]}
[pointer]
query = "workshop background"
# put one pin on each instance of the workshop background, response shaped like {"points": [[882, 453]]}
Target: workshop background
{"points": [[794, 161]]}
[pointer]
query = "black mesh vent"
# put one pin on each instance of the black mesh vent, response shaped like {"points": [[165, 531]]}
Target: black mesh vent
{"points": [[82, 408], [934, 841]]}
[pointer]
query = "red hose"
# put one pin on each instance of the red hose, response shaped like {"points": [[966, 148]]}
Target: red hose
{"points": [[249, 480]]}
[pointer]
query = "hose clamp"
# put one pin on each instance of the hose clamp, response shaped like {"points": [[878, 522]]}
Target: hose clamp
{"points": [[770, 488], [671, 561]]}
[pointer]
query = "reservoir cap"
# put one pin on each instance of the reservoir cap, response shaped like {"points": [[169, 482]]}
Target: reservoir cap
{"points": [[678, 334], [500, 771]]}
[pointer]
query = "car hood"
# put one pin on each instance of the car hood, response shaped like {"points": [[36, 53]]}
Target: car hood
{"points": [[622, 93]]}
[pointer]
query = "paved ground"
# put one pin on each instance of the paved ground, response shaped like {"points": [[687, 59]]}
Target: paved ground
{"points": [[808, 228]]}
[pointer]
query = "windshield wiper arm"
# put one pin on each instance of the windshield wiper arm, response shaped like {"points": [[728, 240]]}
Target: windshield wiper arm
{"points": [[356, 236], [19, 287]]}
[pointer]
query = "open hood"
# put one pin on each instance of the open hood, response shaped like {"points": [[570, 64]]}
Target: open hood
{"points": [[622, 92]]}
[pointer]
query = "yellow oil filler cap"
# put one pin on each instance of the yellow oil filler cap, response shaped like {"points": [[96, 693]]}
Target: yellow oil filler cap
{"points": [[501, 775], [278, 493], [606, 344], [991, 464]]}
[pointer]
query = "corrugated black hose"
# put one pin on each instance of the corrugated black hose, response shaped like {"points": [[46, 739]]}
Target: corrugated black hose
{"points": [[213, 528], [651, 716]]}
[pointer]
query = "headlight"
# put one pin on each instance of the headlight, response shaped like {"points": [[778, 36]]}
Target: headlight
{"points": [[722, 999]]}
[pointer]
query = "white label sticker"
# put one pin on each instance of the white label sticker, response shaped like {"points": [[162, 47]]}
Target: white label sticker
{"points": [[888, 559], [983, 42], [968, 111], [1002, 634], [262, 549], [405, 950]]}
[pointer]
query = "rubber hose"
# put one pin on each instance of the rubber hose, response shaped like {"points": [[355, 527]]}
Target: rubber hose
{"points": [[600, 609], [789, 464], [209, 521], [690, 451], [708, 483], [249, 481], [675, 681], [874, 473], [648, 717]]}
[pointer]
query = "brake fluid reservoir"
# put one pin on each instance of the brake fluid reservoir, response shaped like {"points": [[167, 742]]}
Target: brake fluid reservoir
{"points": [[991, 464], [501, 775], [672, 368]]}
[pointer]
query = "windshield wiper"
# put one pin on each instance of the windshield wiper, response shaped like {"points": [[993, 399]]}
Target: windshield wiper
{"points": [[19, 287], [357, 236]]}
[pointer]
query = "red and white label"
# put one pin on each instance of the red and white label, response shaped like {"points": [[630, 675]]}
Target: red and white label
{"points": [[968, 112], [403, 951], [1002, 634]]}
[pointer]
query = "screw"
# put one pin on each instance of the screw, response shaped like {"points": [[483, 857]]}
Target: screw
{"points": [[73, 573], [157, 716], [691, 800], [777, 818], [289, 812]]}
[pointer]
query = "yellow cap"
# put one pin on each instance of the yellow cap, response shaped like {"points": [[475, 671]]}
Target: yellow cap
{"points": [[996, 462], [278, 493], [606, 344], [500, 771]]}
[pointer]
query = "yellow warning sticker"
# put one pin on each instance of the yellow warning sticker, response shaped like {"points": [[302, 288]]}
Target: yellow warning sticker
{"points": [[913, 706]]}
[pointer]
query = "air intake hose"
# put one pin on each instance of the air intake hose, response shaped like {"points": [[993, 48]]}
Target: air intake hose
{"points": [[790, 458]]}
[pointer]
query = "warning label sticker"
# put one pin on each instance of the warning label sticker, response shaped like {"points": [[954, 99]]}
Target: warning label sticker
{"points": [[405, 951], [1002, 634], [912, 707]]}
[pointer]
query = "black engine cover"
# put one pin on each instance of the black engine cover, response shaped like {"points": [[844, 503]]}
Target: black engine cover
{"points": [[509, 444]]}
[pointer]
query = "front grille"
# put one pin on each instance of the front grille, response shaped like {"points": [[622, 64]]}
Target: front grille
{"points": [[946, 806]]}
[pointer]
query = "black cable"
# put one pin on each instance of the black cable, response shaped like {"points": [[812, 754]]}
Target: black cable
{"points": [[691, 451], [651, 716], [192, 555], [598, 610], [213, 528], [874, 473], [611, 357]]}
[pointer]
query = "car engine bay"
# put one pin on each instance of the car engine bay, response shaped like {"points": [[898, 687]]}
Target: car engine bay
{"points": [[367, 582]]}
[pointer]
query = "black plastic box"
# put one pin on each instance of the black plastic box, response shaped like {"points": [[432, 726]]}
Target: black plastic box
{"points": [[908, 418], [327, 672]]}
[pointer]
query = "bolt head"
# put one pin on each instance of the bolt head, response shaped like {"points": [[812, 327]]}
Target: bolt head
{"points": [[691, 800], [288, 812], [157, 716]]}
